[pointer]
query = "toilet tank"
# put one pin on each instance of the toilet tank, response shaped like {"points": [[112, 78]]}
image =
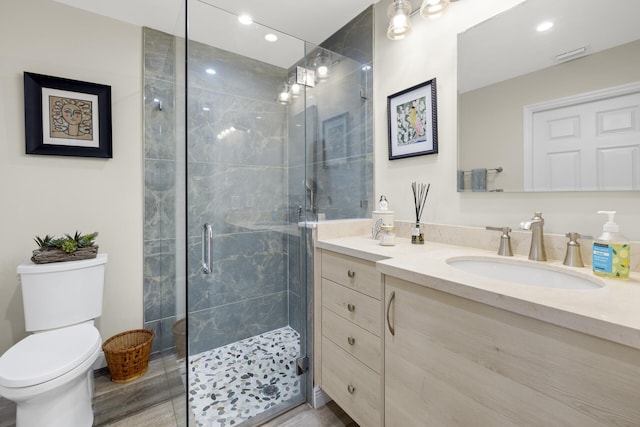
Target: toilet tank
{"points": [[61, 293]]}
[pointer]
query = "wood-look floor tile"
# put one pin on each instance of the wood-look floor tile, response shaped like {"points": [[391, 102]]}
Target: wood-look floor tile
{"points": [[7, 413], [113, 402], [158, 400], [330, 415], [161, 415]]}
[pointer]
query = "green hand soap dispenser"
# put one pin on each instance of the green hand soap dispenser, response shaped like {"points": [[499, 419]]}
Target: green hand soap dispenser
{"points": [[611, 251]]}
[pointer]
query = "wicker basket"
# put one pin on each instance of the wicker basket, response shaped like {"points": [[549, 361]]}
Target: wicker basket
{"points": [[127, 354], [180, 337]]}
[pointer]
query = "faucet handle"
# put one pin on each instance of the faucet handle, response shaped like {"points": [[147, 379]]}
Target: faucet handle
{"points": [[505, 240], [573, 257], [573, 237]]}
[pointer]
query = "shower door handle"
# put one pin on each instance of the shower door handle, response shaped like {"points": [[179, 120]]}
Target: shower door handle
{"points": [[207, 247]]}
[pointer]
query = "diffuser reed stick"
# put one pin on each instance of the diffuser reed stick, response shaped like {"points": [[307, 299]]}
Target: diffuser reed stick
{"points": [[420, 193]]}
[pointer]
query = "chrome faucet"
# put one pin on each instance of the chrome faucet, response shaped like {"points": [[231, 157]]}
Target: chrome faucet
{"points": [[573, 257], [536, 251], [505, 240]]}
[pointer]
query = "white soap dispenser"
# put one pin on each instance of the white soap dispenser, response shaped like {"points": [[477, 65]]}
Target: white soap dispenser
{"points": [[611, 251], [380, 217]]}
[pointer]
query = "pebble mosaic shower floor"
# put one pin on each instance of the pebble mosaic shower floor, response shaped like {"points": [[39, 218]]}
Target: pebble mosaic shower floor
{"points": [[231, 384]]}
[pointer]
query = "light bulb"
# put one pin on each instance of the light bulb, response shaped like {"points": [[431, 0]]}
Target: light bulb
{"points": [[323, 70], [433, 8], [399, 19], [283, 97]]}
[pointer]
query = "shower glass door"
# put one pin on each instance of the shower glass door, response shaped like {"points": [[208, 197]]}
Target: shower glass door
{"points": [[246, 291]]}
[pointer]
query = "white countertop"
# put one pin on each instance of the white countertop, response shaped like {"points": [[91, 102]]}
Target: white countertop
{"points": [[612, 312]]}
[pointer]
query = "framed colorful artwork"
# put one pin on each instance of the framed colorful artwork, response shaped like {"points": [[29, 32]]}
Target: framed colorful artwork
{"points": [[412, 121], [66, 117]]}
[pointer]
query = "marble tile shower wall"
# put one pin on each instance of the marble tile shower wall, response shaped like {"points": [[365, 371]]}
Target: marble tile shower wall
{"points": [[236, 183], [160, 186], [247, 183], [343, 180], [349, 181]]}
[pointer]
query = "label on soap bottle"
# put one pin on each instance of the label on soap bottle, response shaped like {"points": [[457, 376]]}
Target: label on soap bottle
{"points": [[611, 260]]}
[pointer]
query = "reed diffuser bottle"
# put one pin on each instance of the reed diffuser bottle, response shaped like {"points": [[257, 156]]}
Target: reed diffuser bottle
{"points": [[420, 192]]}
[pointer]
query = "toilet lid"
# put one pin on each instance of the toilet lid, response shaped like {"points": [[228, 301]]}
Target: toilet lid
{"points": [[46, 355]]}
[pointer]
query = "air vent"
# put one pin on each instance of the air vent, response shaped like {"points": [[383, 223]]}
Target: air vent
{"points": [[572, 54]]}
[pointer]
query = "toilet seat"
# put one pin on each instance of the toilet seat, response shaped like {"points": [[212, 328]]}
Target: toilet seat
{"points": [[44, 356]]}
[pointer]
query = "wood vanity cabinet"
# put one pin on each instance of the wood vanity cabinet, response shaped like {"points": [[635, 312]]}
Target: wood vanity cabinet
{"points": [[351, 338], [455, 362]]}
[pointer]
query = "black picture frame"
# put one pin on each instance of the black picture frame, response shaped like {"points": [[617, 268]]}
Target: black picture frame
{"points": [[334, 140], [412, 120], [66, 117]]}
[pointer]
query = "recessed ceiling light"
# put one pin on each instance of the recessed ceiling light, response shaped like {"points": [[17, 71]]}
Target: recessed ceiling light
{"points": [[245, 19], [271, 37], [211, 71], [544, 26]]}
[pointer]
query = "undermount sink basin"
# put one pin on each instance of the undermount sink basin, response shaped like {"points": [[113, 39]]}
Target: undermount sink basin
{"points": [[525, 273]]}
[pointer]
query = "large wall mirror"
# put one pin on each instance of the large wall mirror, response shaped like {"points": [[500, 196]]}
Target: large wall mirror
{"points": [[554, 110]]}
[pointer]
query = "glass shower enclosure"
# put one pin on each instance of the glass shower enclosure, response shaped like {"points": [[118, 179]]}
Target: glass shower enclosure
{"points": [[265, 144], [246, 308]]}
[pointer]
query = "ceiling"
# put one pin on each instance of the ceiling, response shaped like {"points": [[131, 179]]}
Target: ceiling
{"points": [[214, 22], [487, 56]]}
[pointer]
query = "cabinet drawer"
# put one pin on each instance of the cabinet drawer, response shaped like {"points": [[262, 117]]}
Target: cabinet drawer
{"points": [[361, 344], [356, 388], [352, 272], [360, 309]]}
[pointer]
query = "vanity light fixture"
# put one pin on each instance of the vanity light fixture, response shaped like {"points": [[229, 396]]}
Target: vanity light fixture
{"points": [[432, 9], [283, 96], [399, 13], [225, 133], [322, 64], [294, 89]]}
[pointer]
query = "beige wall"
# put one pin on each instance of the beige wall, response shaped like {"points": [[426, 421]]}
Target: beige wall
{"points": [[55, 195], [430, 51]]}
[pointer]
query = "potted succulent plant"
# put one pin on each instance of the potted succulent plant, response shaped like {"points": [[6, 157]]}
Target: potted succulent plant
{"points": [[67, 248]]}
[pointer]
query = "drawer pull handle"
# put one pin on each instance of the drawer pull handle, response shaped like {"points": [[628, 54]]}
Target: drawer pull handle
{"points": [[351, 274], [351, 340], [351, 307], [351, 389], [391, 298]]}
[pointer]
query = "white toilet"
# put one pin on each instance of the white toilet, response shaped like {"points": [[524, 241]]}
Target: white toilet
{"points": [[49, 373]]}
